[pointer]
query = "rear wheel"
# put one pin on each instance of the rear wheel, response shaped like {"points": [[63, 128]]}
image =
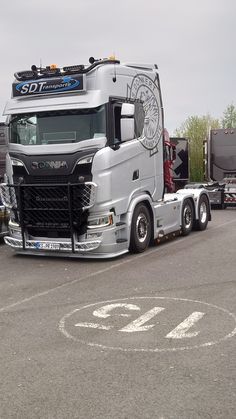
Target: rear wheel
{"points": [[140, 229], [203, 213], [187, 217]]}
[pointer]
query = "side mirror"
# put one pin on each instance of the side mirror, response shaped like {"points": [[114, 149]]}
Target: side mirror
{"points": [[127, 109], [127, 122]]}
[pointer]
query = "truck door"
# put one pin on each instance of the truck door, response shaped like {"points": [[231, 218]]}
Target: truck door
{"points": [[126, 159]]}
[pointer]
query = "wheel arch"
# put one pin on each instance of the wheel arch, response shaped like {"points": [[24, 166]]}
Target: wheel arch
{"points": [[142, 199]]}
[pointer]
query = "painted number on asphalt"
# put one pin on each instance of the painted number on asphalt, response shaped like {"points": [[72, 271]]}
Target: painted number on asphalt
{"points": [[155, 324], [137, 325]]}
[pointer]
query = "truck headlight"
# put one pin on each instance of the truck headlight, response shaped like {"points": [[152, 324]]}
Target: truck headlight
{"points": [[100, 221], [85, 160], [16, 162], [18, 167]]}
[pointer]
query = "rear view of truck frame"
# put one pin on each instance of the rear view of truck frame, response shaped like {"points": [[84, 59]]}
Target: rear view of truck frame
{"points": [[221, 167]]}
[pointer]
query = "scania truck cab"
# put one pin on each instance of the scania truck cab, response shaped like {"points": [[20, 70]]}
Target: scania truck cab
{"points": [[85, 162]]}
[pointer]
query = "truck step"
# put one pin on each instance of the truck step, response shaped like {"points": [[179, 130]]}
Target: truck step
{"points": [[120, 223], [121, 240]]}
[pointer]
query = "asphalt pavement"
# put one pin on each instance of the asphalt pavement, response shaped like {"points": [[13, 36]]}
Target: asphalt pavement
{"points": [[142, 336]]}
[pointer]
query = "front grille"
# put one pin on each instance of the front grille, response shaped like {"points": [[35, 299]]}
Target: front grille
{"points": [[50, 209], [52, 179], [48, 179]]}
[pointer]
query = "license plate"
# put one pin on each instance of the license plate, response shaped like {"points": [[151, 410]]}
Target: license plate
{"points": [[47, 246]]}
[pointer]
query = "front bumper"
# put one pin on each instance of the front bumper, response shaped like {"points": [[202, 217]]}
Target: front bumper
{"points": [[52, 246], [51, 219], [103, 247]]}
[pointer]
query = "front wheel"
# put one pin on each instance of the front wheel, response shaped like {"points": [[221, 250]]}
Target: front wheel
{"points": [[140, 229], [203, 213], [187, 217]]}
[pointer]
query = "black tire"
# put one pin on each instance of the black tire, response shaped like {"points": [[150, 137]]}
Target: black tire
{"points": [[187, 217], [141, 229], [203, 213]]}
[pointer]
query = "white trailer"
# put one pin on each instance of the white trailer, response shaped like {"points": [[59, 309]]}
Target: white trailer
{"points": [[85, 163]]}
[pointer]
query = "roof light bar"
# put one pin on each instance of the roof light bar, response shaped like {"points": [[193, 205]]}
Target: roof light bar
{"points": [[71, 69], [25, 75], [53, 70]]}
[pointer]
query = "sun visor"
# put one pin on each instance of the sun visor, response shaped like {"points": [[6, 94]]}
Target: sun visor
{"points": [[56, 101]]}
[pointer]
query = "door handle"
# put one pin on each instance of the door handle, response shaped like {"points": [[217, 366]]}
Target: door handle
{"points": [[136, 175]]}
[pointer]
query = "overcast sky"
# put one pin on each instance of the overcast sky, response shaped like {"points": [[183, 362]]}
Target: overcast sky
{"points": [[191, 41]]}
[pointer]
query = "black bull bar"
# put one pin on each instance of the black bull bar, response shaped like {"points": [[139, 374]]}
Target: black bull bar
{"points": [[49, 207]]}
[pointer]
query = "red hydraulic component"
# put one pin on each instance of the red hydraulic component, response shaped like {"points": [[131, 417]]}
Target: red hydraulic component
{"points": [[169, 158]]}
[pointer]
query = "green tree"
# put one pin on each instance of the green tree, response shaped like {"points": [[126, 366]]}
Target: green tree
{"points": [[229, 117], [196, 129]]}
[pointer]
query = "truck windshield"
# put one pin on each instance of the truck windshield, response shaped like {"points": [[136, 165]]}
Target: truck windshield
{"points": [[58, 127]]}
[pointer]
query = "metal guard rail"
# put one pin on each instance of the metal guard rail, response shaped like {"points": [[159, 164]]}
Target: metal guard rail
{"points": [[49, 206]]}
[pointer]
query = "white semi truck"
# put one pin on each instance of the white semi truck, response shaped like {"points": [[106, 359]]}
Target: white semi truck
{"points": [[85, 163]]}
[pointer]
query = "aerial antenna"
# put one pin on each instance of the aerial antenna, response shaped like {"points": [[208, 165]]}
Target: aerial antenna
{"points": [[40, 63], [114, 77]]}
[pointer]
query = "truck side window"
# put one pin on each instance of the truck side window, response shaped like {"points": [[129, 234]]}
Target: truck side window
{"points": [[117, 118]]}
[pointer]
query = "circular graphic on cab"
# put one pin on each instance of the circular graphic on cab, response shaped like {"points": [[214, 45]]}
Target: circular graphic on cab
{"points": [[146, 90]]}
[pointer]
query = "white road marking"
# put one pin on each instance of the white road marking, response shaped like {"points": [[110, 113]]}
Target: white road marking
{"points": [[93, 326], [62, 327], [103, 312], [137, 325], [180, 332]]}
